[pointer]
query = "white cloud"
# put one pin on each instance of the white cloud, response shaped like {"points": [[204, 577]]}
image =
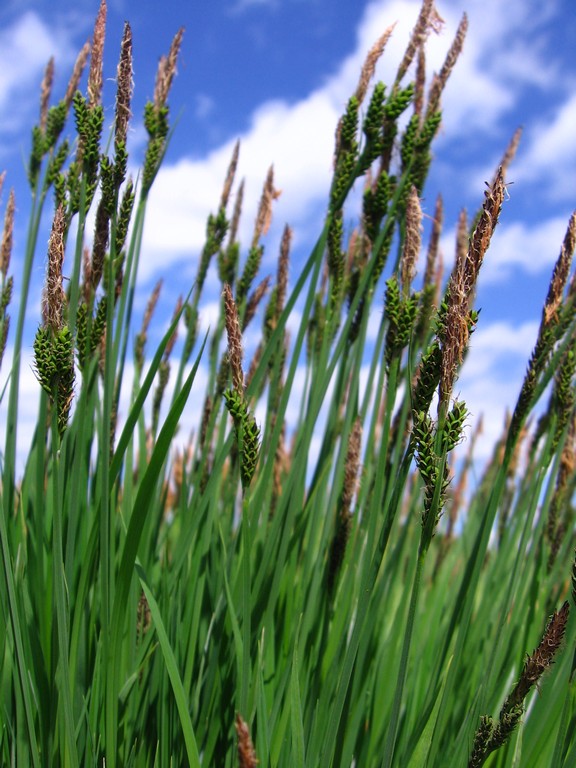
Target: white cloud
{"points": [[551, 153], [25, 48], [532, 248]]}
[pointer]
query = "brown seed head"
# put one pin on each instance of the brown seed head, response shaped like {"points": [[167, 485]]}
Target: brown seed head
{"points": [[124, 86], [254, 300], [246, 753], [79, 66], [543, 656], [439, 81], [283, 262], [369, 66], [560, 274], [45, 93], [420, 81], [167, 70], [95, 79], [511, 150], [234, 339], [101, 237], [230, 176], [412, 241], [7, 234], [264, 215], [53, 296], [433, 245], [236, 213], [351, 467], [462, 237], [462, 285], [417, 39]]}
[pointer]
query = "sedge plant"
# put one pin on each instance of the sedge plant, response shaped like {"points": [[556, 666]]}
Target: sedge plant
{"points": [[238, 598]]}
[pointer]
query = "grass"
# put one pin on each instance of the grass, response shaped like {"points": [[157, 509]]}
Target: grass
{"points": [[247, 600]]}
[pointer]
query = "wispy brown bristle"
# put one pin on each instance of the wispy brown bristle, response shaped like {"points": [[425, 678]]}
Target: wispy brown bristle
{"points": [[95, 78], [234, 339], [124, 86], [46, 92], [369, 66]]}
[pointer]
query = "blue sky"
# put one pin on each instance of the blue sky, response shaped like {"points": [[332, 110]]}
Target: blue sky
{"points": [[277, 74]]}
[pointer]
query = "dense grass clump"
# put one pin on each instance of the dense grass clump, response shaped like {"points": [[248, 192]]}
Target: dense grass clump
{"points": [[245, 600]]}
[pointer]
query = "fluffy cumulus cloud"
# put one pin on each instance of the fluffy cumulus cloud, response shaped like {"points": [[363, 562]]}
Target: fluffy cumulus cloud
{"points": [[551, 153], [25, 48]]}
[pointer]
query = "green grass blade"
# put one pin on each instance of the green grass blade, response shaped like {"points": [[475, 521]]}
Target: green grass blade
{"points": [[172, 669]]}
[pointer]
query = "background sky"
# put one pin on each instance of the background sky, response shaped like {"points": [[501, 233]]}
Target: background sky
{"points": [[277, 74]]}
